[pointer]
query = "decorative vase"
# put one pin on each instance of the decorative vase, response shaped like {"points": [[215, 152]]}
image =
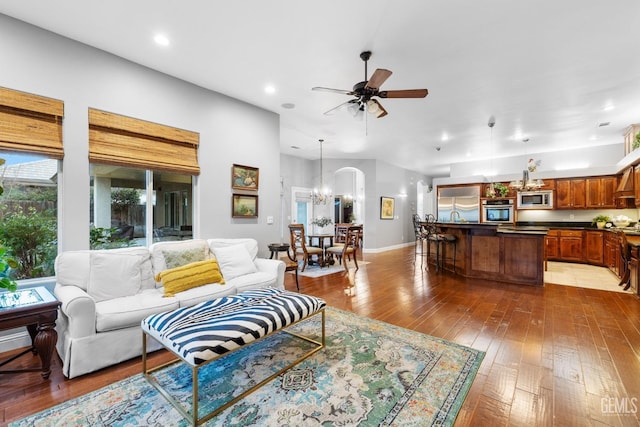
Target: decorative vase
{"points": [[601, 224]]}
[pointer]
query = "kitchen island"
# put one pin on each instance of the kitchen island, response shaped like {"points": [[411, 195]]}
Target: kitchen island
{"points": [[496, 252]]}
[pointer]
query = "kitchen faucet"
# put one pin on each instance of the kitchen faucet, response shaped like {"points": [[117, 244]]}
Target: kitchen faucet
{"points": [[454, 214]]}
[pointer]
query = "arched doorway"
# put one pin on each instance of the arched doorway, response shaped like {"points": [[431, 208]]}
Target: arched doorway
{"points": [[349, 195]]}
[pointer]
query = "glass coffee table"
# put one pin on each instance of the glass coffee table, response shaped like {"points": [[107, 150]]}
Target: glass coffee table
{"points": [[37, 309]]}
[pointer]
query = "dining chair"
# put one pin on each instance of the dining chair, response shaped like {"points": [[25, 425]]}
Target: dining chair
{"points": [[349, 248], [421, 237], [299, 246]]}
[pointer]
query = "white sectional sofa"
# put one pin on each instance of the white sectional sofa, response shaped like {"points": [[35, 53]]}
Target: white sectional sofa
{"points": [[105, 294]]}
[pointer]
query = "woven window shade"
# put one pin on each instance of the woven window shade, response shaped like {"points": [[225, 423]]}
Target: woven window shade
{"points": [[124, 141], [31, 123]]}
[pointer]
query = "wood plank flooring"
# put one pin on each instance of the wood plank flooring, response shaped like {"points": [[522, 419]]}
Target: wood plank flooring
{"points": [[557, 355]]}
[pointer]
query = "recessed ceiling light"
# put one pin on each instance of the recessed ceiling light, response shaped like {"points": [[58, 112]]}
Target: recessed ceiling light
{"points": [[445, 137], [161, 39], [295, 147], [270, 89], [608, 107], [288, 105], [603, 124]]}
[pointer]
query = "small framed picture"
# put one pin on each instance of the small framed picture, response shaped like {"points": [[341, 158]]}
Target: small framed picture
{"points": [[387, 207], [244, 178], [244, 206]]}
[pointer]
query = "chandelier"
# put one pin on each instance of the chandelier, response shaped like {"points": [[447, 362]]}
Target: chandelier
{"points": [[322, 196], [526, 183]]}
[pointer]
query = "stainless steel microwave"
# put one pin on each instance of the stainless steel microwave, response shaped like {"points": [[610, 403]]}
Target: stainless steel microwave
{"points": [[541, 199]]}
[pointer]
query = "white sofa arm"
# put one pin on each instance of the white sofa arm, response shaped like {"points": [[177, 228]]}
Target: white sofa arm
{"points": [[272, 266], [79, 308]]}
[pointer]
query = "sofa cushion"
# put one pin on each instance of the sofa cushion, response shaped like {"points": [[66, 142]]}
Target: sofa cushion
{"points": [[178, 257], [72, 268], [172, 248], [125, 312], [113, 275], [249, 243], [189, 276], [252, 281], [234, 261]]}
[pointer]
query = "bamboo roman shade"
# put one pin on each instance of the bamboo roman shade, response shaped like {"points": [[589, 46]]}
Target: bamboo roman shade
{"points": [[31, 123], [124, 141]]}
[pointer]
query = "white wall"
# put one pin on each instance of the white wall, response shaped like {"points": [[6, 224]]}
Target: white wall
{"points": [[39, 62]]}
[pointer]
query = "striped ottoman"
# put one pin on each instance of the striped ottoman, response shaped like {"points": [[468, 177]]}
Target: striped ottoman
{"points": [[204, 332]]}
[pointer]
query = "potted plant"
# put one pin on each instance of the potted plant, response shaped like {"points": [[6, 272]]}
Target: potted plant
{"points": [[322, 221], [601, 220], [501, 189]]}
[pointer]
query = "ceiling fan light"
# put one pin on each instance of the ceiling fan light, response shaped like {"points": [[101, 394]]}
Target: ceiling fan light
{"points": [[353, 109], [373, 107]]}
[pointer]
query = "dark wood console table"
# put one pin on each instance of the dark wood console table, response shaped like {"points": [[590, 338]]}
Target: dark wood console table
{"points": [[37, 309]]}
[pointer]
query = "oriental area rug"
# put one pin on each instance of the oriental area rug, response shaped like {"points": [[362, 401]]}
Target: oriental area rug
{"points": [[370, 373]]}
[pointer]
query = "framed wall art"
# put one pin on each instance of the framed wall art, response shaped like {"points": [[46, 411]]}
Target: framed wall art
{"points": [[244, 178], [244, 206], [387, 207]]}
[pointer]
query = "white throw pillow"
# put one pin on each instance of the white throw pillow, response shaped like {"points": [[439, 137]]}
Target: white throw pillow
{"points": [[234, 261], [113, 275]]}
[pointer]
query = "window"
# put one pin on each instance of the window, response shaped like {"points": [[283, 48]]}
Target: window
{"points": [[119, 206], [31, 134], [28, 212], [141, 180]]}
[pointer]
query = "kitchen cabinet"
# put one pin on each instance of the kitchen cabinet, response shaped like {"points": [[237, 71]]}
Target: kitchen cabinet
{"points": [[571, 193], [612, 252], [570, 243], [633, 267], [636, 185], [599, 192], [594, 247], [551, 246]]}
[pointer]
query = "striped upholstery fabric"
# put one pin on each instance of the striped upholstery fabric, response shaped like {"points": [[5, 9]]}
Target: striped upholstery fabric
{"points": [[209, 329]]}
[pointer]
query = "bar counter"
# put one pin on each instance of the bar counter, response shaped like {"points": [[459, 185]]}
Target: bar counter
{"points": [[510, 254]]}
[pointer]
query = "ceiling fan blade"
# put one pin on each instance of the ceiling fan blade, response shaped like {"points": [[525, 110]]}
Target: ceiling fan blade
{"points": [[375, 108], [408, 93], [340, 107], [378, 78], [328, 89]]}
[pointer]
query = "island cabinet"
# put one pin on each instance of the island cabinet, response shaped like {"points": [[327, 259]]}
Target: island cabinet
{"points": [[486, 253], [600, 192], [571, 193]]}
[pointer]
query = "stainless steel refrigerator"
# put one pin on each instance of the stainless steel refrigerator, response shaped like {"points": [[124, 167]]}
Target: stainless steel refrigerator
{"points": [[459, 204]]}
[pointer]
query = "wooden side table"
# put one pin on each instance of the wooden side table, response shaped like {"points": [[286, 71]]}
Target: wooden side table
{"points": [[37, 309]]}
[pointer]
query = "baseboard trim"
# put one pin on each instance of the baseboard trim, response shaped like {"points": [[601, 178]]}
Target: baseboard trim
{"points": [[387, 248], [12, 341]]}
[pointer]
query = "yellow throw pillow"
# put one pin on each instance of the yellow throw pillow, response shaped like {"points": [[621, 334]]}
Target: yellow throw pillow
{"points": [[190, 276]]}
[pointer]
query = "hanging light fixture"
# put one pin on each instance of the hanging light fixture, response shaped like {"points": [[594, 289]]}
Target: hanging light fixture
{"points": [[322, 196], [526, 183]]}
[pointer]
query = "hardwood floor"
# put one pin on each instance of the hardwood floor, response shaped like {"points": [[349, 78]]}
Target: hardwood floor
{"points": [[557, 355]]}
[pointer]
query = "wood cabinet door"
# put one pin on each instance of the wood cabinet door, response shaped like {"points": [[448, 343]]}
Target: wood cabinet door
{"points": [[599, 192], [594, 247], [593, 192], [551, 248], [563, 194], [578, 193], [571, 248], [608, 186]]}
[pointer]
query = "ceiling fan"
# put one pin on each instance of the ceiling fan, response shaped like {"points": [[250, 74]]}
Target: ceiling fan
{"points": [[365, 91]]}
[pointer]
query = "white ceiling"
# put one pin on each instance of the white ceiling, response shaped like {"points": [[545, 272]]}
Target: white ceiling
{"points": [[545, 69]]}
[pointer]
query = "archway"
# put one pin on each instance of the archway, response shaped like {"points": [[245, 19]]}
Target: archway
{"points": [[349, 195]]}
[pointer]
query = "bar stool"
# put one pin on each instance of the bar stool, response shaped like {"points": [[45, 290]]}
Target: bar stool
{"points": [[441, 241]]}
